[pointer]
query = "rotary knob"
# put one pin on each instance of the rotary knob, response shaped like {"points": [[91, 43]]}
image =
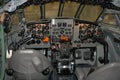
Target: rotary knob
{"points": [[39, 31], [46, 28], [62, 32]]}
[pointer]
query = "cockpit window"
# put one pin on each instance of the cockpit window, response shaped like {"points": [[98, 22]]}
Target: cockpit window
{"points": [[91, 13], [32, 13], [51, 9], [70, 9], [109, 19], [88, 13], [15, 19]]}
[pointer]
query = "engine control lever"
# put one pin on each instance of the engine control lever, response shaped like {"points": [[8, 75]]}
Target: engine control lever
{"points": [[15, 45]]}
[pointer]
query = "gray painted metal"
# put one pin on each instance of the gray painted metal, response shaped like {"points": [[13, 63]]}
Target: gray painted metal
{"points": [[116, 2]]}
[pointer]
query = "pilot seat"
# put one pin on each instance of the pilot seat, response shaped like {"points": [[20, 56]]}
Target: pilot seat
{"points": [[29, 65]]}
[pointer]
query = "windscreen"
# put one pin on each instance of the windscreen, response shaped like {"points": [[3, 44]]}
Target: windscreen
{"points": [[70, 9], [88, 13], [91, 13]]}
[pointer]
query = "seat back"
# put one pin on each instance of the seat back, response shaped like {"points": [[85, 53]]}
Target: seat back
{"points": [[30, 65], [107, 72]]}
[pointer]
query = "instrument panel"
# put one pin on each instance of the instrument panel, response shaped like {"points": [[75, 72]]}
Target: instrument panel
{"points": [[84, 32], [63, 30], [38, 29], [40, 34]]}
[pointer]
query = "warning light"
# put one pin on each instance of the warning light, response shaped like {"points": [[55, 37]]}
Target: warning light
{"points": [[64, 38], [46, 39]]}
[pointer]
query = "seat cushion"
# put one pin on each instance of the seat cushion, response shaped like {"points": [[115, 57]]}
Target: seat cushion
{"points": [[107, 72]]}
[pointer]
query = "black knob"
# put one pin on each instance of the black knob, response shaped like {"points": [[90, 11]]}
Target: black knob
{"points": [[39, 31], [46, 28], [46, 71], [10, 72], [33, 41], [46, 32], [21, 33], [38, 41], [33, 36], [61, 32], [101, 60], [28, 43], [34, 31], [41, 36]]}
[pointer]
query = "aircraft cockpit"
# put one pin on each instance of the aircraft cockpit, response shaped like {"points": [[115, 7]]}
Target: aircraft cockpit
{"points": [[58, 40]]}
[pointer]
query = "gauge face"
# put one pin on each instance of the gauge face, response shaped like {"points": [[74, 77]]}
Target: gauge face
{"points": [[39, 30]]}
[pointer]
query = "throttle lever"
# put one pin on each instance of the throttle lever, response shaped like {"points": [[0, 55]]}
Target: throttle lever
{"points": [[15, 45], [21, 42]]}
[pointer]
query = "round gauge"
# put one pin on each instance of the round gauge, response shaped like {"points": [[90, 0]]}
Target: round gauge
{"points": [[62, 32], [34, 31], [46, 27], [41, 36], [46, 32], [39, 32], [38, 41], [30, 27]]}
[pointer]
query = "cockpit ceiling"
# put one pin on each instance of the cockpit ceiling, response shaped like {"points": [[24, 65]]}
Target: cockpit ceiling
{"points": [[89, 12]]}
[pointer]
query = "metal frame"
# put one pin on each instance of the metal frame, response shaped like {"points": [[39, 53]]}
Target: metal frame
{"points": [[61, 7], [79, 11], [3, 52]]}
